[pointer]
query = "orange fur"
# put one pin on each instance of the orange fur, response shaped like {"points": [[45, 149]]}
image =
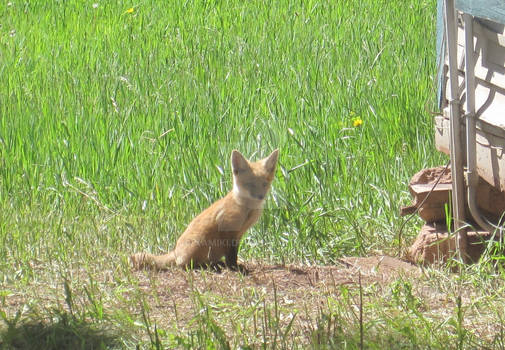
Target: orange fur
{"points": [[216, 232]]}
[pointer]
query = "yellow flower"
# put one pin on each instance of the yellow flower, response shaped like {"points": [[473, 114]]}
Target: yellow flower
{"points": [[356, 122], [130, 10]]}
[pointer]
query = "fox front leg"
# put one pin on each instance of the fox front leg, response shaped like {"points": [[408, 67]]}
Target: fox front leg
{"points": [[231, 256]]}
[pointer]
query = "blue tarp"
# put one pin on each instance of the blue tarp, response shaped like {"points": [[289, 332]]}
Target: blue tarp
{"points": [[493, 10]]}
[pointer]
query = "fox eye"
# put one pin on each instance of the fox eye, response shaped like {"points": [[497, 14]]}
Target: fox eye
{"points": [[265, 184]]}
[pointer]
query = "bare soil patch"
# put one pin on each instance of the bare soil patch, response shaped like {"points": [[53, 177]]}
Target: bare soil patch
{"points": [[379, 269], [289, 286]]}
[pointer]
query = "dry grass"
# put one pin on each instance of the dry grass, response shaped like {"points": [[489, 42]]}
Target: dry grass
{"points": [[273, 306]]}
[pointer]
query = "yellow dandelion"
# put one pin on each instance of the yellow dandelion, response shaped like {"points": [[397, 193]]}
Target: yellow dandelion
{"points": [[130, 10], [357, 122]]}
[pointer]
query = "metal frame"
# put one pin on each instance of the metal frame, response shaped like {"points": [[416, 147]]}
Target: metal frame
{"points": [[456, 147], [457, 173]]}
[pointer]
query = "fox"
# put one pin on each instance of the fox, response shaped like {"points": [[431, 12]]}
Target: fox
{"points": [[216, 232]]}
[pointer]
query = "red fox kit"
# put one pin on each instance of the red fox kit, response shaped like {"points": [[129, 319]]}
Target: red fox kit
{"points": [[217, 231]]}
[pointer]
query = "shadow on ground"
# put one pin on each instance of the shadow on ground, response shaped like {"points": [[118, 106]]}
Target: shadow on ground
{"points": [[61, 331]]}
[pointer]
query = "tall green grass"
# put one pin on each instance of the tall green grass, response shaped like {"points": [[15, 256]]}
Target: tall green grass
{"points": [[108, 112]]}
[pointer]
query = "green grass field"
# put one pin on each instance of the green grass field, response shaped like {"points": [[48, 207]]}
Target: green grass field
{"points": [[117, 121]]}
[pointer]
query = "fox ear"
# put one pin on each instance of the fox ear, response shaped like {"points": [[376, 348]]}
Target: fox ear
{"points": [[271, 161], [238, 162]]}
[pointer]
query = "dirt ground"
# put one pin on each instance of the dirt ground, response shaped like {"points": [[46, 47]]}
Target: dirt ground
{"points": [[168, 292], [301, 286], [175, 300], [379, 269]]}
